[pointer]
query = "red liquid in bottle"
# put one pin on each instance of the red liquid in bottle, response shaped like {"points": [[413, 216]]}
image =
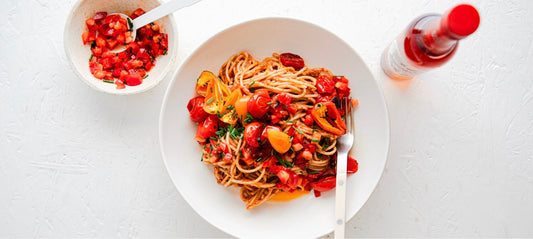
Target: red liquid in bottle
{"points": [[428, 42]]}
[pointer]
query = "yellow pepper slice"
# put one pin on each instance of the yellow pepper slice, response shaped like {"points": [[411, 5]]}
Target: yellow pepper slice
{"points": [[203, 81]]}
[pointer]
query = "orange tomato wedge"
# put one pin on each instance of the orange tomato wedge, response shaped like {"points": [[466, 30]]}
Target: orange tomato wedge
{"points": [[280, 141], [241, 107]]}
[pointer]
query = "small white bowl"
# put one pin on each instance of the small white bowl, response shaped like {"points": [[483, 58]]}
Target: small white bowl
{"points": [[79, 54]]}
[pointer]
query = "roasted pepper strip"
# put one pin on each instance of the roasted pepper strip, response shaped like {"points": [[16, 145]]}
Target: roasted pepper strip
{"points": [[326, 115]]}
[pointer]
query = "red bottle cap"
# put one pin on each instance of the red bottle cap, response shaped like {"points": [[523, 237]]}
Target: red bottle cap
{"points": [[460, 21]]}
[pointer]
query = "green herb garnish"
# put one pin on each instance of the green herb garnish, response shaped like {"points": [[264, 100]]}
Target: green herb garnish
{"points": [[249, 118], [297, 130], [109, 81], [326, 144], [315, 140], [251, 84], [209, 100], [283, 162], [90, 58], [130, 25], [234, 132]]}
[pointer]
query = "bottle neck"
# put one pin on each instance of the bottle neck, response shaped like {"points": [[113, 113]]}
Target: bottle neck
{"points": [[435, 39]]}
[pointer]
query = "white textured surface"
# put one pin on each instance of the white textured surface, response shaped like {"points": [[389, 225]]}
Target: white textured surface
{"points": [[78, 163]]}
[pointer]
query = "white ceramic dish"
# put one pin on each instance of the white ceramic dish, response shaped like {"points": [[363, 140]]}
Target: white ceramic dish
{"points": [[79, 54], [304, 217]]}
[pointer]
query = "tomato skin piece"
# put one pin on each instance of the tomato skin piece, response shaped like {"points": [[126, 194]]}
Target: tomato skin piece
{"points": [[270, 162], [325, 85], [196, 109], [288, 178], [324, 184], [352, 166], [137, 13], [258, 103], [292, 60], [308, 120], [207, 128], [133, 80], [100, 16], [283, 99], [252, 134]]}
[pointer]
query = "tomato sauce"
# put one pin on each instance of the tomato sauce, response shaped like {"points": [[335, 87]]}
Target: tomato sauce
{"points": [[287, 196], [105, 32]]}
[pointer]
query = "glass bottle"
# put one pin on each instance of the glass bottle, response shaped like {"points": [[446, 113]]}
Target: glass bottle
{"points": [[428, 42]]}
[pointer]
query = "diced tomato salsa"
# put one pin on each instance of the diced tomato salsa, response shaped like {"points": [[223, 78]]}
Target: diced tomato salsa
{"points": [[105, 32]]}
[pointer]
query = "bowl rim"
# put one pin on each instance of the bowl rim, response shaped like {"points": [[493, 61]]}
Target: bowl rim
{"points": [[249, 21], [172, 64]]}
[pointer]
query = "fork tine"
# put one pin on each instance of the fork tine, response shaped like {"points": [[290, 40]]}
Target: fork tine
{"points": [[348, 114]]}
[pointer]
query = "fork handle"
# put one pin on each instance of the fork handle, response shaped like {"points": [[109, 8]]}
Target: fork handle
{"points": [[340, 195]]}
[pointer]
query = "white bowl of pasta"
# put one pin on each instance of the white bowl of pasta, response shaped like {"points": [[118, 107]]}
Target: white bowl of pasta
{"points": [[241, 129]]}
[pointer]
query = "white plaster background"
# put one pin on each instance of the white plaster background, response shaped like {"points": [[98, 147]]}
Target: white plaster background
{"points": [[78, 163]]}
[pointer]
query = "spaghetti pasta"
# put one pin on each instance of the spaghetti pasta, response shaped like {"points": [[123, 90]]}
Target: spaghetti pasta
{"points": [[239, 110]]}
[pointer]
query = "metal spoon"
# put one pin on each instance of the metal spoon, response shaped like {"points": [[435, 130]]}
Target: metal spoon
{"points": [[150, 16]]}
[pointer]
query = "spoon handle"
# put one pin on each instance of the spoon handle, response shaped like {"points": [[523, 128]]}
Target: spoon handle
{"points": [[161, 11]]}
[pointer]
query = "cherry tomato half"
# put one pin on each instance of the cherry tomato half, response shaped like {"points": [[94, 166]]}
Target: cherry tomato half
{"points": [[292, 60], [207, 128], [258, 103], [252, 134], [325, 85], [196, 109], [352, 166]]}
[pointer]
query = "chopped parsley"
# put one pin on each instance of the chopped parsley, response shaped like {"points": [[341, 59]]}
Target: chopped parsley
{"points": [[130, 25], [326, 144], [109, 81], [209, 100], [297, 130], [251, 84], [315, 140], [283, 162], [249, 118], [234, 132]]}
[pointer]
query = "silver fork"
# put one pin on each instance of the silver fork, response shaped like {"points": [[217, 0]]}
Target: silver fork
{"points": [[344, 144]]}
